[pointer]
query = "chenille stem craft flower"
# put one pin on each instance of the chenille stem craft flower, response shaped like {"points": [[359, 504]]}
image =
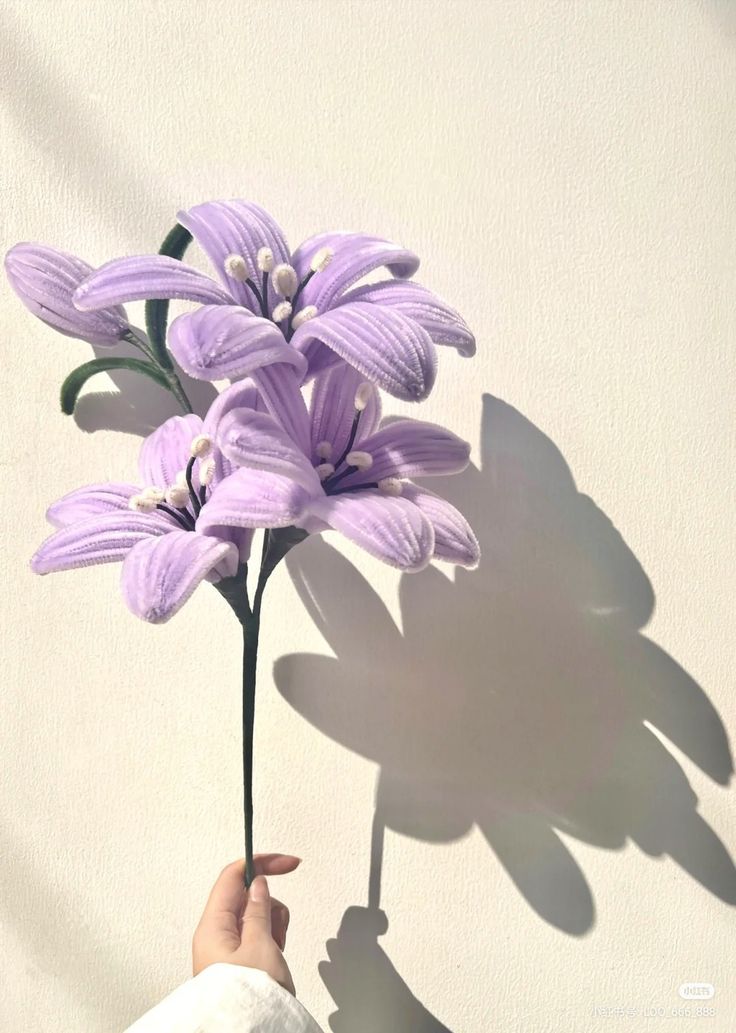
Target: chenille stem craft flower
{"points": [[294, 446]]}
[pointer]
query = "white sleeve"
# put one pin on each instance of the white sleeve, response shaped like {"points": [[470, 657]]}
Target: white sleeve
{"points": [[226, 998]]}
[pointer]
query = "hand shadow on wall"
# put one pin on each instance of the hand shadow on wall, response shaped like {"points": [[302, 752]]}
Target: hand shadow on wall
{"points": [[516, 697]]}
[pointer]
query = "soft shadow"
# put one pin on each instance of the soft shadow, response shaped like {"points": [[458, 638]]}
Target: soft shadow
{"points": [[520, 697], [139, 405], [86, 151], [62, 944], [370, 995]]}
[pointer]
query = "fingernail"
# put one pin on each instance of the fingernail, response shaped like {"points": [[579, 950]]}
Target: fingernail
{"points": [[259, 890]]}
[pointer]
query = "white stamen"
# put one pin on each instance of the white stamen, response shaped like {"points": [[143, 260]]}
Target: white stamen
{"points": [[363, 395], [362, 460], [324, 449], [285, 280], [206, 471], [281, 312], [181, 480], [200, 446], [391, 486], [304, 315], [325, 470], [177, 496], [157, 494], [236, 267], [264, 259], [140, 504], [321, 259]]}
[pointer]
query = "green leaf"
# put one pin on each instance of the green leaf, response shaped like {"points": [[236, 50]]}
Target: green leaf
{"points": [[78, 377], [157, 312]]}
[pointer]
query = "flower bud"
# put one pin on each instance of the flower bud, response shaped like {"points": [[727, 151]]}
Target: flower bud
{"points": [[45, 280]]}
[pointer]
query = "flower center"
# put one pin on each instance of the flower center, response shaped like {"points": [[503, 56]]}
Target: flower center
{"points": [[285, 282], [333, 472], [182, 500]]}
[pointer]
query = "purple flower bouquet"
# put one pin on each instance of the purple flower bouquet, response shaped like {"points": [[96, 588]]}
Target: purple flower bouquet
{"points": [[295, 445]]}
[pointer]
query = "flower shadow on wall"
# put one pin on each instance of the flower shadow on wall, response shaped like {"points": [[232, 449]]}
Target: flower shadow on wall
{"points": [[516, 697]]}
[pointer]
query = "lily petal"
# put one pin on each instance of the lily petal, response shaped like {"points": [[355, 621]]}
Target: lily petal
{"points": [[443, 324], [100, 539], [142, 277], [412, 448], [454, 540], [258, 441], [279, 385], [90, 501], [253, 498], [45, 280], [242, 395], [166, 452], [391, 529], [224, 228], [160, 574], [332, 408], [218, 342], [355, 255], [386, 346]]}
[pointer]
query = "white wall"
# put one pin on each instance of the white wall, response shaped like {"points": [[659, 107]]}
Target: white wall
{"points": [[566, 172]]}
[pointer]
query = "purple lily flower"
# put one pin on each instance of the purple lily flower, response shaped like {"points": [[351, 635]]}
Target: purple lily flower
{"points": [[154, 529], [387, 331], [45, 280], [342, 471]]}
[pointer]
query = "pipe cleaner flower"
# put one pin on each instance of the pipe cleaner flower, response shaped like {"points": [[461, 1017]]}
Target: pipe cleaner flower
{"points": [[331, 467], [387, 331], [45, 279]]}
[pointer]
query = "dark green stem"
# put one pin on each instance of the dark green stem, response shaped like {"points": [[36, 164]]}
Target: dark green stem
{"points": [[172, 378], [251, 628], [276, 544]]}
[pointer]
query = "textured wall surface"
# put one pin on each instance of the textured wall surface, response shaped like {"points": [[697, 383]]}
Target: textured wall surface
{"points": [[530, 762]]}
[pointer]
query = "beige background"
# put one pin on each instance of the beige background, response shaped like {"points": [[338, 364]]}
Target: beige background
{"points": [[548, 748]]}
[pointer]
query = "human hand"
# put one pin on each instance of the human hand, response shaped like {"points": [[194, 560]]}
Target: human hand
{"points": [[246, 927]]}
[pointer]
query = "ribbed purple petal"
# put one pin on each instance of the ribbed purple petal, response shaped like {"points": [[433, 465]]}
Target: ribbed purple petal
{"points": [[391, 529], [90, 501], [160, 574], [142, 277], [242, 395], [241, 537], [258, 441], [100, 539], [45, 280], [224, 228], [443, 324], [279, 387], [218, 342], [253, 498], [166, 452], [411, 448], [355, 255], [454, 540], [332, 409], [387, 347]]}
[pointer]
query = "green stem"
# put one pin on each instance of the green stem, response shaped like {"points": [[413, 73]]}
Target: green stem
{"points": [[276, 544], [172, 378], [251, 628]]}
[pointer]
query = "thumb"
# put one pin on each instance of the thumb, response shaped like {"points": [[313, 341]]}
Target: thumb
{"points": [[257, 915]]}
